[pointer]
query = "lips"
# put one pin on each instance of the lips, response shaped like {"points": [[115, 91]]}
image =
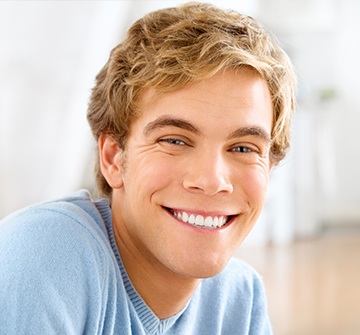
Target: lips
{"points": [[201, 221]]}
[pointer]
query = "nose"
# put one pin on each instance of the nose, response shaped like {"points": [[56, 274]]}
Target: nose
{"points": [[210, 175]]}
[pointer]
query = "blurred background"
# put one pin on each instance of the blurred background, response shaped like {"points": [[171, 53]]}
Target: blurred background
{"points": [[306, 244]]}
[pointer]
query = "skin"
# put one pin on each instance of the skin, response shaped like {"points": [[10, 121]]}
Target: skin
{"points": [[203, 149]]}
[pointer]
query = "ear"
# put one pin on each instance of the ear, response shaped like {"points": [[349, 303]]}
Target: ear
{"points": [[110, 160]]}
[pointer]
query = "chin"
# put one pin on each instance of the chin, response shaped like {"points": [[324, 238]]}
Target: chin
{"points": [[204, 269]]}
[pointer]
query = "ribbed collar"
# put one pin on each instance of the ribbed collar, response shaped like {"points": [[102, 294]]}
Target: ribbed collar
{"points": [[149, 320]]}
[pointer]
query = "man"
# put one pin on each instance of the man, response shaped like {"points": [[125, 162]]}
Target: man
{"points": [[190, 113]]}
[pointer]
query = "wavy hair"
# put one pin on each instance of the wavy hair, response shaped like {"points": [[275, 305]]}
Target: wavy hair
{"points": [[173, 47]]}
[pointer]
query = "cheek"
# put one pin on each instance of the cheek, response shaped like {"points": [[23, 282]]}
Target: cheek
{"points": [[151, 175], [254, 183]]}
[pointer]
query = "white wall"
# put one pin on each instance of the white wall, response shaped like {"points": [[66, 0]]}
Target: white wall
{"points": [[50, 53], [322, 37]]}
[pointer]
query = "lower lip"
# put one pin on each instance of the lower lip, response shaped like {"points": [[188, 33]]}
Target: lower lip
{"points": [[203, 230]]}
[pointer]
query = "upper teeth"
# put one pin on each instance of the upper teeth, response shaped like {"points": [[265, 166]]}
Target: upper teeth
{"points": [[200, 220]]}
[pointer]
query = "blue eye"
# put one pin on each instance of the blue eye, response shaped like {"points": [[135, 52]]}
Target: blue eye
{"points": [[172, 141], [242, 149]]}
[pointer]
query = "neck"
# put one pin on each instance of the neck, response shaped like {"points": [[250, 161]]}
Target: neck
{"points": [[164, 291]]}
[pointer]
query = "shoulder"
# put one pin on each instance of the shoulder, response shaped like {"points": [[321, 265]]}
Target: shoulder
{"points": [[68, 226], [56, 253], [239, 285], [71, 214], [239, 274], [247, 279], [233, 302]]}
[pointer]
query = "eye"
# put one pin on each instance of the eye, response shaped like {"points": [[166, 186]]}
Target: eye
{"points": [[242, 149], [172, 141]]}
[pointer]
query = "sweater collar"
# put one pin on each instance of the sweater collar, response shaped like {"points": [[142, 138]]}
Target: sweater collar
{"points": [[150, 321]]}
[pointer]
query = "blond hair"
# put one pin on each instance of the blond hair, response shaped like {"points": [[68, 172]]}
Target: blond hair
{"points": [[170, 48]]}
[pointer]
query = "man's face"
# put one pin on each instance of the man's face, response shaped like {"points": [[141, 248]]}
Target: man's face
{"points": [[195, 174]]}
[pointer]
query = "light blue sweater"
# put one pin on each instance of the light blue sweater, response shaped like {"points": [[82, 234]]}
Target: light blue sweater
{"points": [[61, 273]]}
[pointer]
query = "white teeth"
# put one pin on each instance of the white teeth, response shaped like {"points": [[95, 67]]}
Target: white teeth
{"points": [[200, 221], [209, 221]]}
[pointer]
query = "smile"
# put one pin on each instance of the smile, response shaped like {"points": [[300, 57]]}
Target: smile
{"points": [[197, 220]]}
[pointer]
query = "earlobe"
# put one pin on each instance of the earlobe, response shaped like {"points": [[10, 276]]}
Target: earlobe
{"points": [[110, 161]]}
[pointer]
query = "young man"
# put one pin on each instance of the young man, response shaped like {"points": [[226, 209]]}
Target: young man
{"points": [[190, 113]]}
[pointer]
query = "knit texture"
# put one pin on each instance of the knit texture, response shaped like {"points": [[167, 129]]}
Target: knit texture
{"points": [[61, 273]]}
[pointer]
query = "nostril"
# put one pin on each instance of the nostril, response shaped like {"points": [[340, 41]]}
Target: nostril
{"points": [[208, 185]]}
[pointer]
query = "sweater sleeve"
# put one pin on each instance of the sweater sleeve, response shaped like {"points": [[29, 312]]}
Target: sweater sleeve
{"points": [[52, 273]]}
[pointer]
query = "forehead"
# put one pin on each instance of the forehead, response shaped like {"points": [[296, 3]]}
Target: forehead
{"points": [[225, 97]]}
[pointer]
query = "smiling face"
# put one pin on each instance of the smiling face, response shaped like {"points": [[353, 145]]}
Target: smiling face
{"points": [[192, 180]]}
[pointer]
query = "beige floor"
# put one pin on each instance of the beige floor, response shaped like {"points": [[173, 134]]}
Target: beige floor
{"points": [[314, 285]]}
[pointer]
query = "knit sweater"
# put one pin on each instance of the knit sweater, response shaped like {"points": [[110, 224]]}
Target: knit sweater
{"points": [[61, 273]]}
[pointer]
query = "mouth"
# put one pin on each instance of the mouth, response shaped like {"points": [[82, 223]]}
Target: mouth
{"points": [[201, 221]]}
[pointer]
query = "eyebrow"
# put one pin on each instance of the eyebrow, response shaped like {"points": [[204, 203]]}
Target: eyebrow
{"points": [[166, 121], [251, 131]]}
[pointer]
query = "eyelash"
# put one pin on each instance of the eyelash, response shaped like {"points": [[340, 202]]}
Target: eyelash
{"points": [[177, 142], [242, 149], [172, 141]]}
